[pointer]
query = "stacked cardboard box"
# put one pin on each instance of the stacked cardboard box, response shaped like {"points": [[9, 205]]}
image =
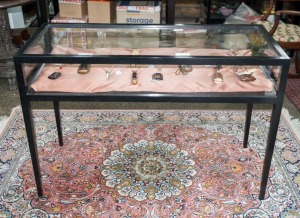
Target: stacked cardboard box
{"points": [[139, 12], [188, 11], [73, 8], [102, 11]]}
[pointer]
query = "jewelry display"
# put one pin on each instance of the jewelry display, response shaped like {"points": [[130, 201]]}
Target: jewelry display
{"points": [[245, 76], [218, 75], [108, 73], [134, 79], [54, 75], [184, 69], [158, 76], [83, 69]]}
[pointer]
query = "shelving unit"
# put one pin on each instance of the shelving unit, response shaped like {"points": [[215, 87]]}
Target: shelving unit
{"points": [[43, 10]]}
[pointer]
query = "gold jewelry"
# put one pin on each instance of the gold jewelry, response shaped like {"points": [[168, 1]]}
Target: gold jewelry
{"points": [[134, 79], [184, 69]]}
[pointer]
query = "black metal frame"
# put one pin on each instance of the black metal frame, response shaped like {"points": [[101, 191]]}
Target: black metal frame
{"points": [[275, 100]]}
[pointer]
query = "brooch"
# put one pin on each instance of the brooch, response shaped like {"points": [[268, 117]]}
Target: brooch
{"points": [[184, 69], [245, 76]]}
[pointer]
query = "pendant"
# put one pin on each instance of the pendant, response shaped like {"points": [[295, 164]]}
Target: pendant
{"points": [[218, 75], [134, 79], [108, 74]]}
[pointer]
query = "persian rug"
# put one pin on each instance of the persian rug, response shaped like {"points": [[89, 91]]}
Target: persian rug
{"points": [[149, 164], [292, 92]]}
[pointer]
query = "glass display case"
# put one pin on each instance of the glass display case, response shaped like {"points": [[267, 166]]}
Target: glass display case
{"points": [[152, 63]]}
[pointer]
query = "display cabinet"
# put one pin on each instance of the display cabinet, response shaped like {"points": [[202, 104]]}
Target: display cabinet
{"points": [[152, 63]]}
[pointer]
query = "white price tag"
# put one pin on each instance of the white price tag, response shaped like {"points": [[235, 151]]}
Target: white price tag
{"points": [[182, 54]]}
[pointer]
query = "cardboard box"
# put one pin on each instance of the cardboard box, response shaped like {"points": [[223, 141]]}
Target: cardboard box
{"points": [[139, 12], [102, 11], [74, 10]]}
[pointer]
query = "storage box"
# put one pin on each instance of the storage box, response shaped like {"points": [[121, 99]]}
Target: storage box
{"points": [[139, 12], [74, 10], [102, 11]]}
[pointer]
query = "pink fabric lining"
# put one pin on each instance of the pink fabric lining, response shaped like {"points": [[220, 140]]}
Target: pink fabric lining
{"points": [[199, 80]]}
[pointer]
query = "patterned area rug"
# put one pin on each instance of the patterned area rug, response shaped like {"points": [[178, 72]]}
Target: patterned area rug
{"points": [[148, 164], [292, 92]]}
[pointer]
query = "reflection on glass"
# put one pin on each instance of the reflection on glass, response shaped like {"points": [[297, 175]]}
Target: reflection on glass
{"points": [[243, 42], [99, 43]]}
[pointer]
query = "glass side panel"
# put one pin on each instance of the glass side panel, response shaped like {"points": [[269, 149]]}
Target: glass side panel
{"points": [[185, 41]]}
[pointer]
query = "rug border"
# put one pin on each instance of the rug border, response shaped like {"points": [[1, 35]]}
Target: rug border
{"points": [[4, 126], [293, 123]]}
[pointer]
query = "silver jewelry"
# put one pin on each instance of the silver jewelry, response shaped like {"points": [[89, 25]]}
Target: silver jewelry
{"points": [[108, 74], [218, 75], [246, 75]]}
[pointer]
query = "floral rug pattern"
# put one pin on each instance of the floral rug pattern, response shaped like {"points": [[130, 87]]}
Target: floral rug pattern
{"points": [[292, 92], [148, 164]]}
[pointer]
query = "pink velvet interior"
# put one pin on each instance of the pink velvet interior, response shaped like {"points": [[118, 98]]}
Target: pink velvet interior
{"points": [[199, 80]]}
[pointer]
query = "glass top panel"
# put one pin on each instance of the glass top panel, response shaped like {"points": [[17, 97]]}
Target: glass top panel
{"points": [[184, 40]]}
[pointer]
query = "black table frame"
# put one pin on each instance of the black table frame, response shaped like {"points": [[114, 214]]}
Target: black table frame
{"points": [[249, 99]]}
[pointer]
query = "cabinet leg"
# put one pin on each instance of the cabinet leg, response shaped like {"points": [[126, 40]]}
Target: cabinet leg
{"points": [[274, 123], [28, 120], [58, 122], [247, 124]]}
